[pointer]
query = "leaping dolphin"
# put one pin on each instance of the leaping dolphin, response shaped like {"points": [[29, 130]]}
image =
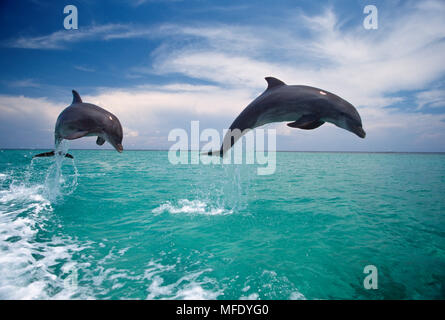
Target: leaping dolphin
{"points": [[85, 119], [307, 108]]}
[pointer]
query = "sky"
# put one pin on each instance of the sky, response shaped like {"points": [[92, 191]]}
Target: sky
{"points": [[157, 65]]}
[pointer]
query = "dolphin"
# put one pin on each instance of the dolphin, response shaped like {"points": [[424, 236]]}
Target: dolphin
{"points": [[307, 107], [85, 119]]}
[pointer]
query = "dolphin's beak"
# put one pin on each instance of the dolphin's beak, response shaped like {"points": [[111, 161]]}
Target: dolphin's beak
{"points": [[119, 148], [360, 132]]}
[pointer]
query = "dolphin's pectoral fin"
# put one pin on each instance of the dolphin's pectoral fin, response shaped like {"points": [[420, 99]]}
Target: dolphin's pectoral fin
{"points": [[306, 122], [306, 126], [77, 135], [100, 141], [51, 154]]}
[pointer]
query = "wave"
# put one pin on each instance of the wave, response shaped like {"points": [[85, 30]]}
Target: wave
{"points": [[161, 281], [27, 265], [252, 296], [189, 287], [190, 207], [33, 263], [271, 286]]}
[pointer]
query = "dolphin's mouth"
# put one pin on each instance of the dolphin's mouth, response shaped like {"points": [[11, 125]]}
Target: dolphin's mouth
{"points": [[360, 132], [119, 148]]}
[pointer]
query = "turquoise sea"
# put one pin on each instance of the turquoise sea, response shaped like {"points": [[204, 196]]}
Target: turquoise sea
{"points": [[134, 226]]}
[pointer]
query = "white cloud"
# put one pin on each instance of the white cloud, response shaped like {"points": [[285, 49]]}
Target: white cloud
{"points": [[147, 113], [138, 3], [25, 83], [27, 122], [60, 39], [13, 107], [363, 66], [368, 68], [84, 69], [431, 98]]}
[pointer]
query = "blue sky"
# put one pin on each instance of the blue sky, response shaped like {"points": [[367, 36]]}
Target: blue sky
{"points": [[159, 64]]}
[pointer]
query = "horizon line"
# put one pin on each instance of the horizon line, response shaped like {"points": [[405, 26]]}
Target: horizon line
{"points": [[296, 151]]}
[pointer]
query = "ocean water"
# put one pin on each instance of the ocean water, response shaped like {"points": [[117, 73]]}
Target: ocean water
{"points": [[133, 226]]}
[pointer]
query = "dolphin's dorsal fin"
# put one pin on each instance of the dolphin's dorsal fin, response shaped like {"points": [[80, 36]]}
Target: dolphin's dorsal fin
{"points": [[273, 82], [76, 97]]}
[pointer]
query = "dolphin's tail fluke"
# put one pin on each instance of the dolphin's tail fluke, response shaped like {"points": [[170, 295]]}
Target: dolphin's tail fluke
{"points": [[51, 154]]}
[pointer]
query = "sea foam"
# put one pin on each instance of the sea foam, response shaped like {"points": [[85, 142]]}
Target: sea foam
{"points": [[27, 263], [190, 207], [191, 286]]}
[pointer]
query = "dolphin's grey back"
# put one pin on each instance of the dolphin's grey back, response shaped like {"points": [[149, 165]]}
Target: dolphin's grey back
{"points": [[84, 116]]}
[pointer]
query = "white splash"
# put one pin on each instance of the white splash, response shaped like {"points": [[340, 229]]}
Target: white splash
{"points": [[59, 181], [189, 287], [26, 265], [190, 207], [252, 296], [296, 295]]}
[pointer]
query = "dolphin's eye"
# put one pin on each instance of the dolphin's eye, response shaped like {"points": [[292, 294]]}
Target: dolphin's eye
{"points": [[111, 118]]}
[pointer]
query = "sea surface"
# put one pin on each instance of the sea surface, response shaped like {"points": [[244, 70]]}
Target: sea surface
{"points": [[133, 226]]}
